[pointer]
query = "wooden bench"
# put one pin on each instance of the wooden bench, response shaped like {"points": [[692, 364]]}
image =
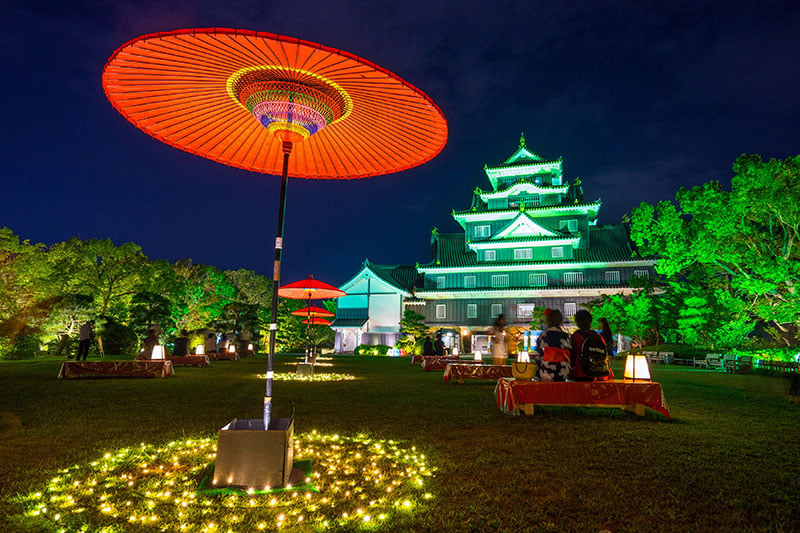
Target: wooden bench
{"points": [[115, 369], [713, 361], [515, 396], [738, 365]]}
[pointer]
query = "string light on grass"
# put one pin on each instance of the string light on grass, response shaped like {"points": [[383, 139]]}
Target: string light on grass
{"points": [[289, 376], [353, 482]]}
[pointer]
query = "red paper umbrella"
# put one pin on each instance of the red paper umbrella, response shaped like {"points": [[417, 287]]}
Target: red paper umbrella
{"points": [[251, 99], [313, 311], [309, 289], [317, 321], [235, 96]]}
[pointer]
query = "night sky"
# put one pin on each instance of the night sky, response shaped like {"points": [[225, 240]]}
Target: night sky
{"points": [[639, 101]]}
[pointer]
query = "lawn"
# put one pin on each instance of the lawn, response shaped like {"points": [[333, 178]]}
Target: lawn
{"points": [[728, 460]]}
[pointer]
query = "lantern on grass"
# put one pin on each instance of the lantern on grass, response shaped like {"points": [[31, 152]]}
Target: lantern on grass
{"points": [[251, 99], [637, 368], [158, 352]]}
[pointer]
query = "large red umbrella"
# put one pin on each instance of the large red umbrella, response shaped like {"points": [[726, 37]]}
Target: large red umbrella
{"points": [[249, 99], [313, 311]]}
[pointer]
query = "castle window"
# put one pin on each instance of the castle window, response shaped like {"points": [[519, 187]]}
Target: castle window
{"points": [[642, 273], [441, 311], [557, 251], [570, 225], [490, 255], [469, 282], [537, 280], [482, 231], [525, 310], [570, 308], [497, 310], [612, 276], [472, 310], [440, 282], [500, 280], [523, 253], [573, 278]]}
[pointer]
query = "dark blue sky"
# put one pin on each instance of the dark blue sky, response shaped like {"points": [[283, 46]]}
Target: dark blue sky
{"points": [[639, 101]]}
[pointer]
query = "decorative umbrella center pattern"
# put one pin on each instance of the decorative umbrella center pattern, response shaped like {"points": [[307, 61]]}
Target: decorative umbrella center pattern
{"points": [[290, 103]]}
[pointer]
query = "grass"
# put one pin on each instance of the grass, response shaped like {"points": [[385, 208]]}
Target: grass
{"points": [[728, 460]]}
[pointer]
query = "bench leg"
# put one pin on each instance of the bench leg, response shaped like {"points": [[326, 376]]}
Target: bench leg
{"points": [[637, 409], [526, 408]]}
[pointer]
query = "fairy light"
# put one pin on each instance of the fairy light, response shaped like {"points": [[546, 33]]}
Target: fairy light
{"points": [[292, 376], [354, 482]]}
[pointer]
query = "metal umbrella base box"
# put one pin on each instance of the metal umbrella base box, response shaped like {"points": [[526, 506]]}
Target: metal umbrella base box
{"points": [[249, 457]]}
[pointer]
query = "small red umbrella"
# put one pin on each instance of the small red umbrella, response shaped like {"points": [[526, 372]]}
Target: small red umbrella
{"points": [[313, 311], [316, 321], [309, 289]]}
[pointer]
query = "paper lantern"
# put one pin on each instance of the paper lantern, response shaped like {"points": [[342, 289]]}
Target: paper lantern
{"points": [[158, 352], [200, 350], [523, 357], [637, 368], [232, 348], [455, 351], [478, 355]]}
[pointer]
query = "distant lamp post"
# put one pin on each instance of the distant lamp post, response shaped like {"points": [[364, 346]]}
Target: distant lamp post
{"points": [[637, 368]]}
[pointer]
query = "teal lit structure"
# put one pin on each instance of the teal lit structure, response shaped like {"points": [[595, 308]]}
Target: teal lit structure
{"points": [[528, 241]]}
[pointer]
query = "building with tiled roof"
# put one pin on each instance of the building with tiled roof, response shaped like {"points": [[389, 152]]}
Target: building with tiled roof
{"points": [[530, 241]]}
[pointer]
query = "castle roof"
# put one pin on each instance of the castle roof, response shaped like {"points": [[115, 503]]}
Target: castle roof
{"points": [[609, 243]]}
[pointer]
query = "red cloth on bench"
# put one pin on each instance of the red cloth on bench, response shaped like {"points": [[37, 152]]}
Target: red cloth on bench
{"points": [[510, 393], [127, 369]]}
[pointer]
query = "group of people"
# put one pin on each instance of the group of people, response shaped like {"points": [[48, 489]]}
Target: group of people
{"points": [[582, 356], [433, 348]]}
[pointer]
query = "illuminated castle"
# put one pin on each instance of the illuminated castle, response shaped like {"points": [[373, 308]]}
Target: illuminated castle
{"points": [[529, 241]]}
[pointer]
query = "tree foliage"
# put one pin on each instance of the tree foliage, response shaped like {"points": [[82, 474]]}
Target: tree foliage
{"points": [[736, 254]]}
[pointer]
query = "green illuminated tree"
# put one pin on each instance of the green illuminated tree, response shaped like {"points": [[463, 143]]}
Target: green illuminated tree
{"points": [[745, 243]]}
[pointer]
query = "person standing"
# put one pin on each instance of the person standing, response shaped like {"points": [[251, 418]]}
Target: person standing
{"points": [[211, 344], [608, 337], [181, 348], [85, 336], [149, 343], [499, 353], [553, 350], [438, 345]]}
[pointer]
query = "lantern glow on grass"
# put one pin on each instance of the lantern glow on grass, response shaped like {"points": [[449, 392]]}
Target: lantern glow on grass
{"points": [[251, 99], [156, 487]]}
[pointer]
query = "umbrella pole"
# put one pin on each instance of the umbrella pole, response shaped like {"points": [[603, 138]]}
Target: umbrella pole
{"points": [[276, 281], [308, 326]]}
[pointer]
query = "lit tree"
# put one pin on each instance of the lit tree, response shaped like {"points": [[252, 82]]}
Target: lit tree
{"points": [[746, 242]]}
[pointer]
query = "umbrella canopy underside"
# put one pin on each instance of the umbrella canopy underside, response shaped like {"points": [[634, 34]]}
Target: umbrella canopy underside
{"points": [[184, 88]]}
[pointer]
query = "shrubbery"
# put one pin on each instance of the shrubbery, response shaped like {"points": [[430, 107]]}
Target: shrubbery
{"points": [[119, 339], [24, 347], [371, 349]]}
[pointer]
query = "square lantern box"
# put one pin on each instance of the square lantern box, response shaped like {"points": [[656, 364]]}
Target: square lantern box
{"points": [[249, 457], [305, 370]]}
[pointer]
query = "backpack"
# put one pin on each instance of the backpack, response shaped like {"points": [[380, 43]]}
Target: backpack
{"points": [[593, 356]]}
